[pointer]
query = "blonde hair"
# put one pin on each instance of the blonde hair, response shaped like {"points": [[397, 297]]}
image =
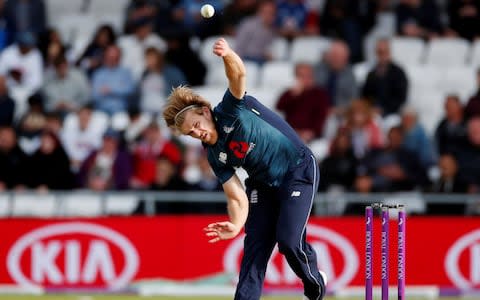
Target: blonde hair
{"points": [[179, 99]]}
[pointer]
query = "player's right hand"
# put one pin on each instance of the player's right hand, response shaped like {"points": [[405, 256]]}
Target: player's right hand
{"points": [[221, 231]]}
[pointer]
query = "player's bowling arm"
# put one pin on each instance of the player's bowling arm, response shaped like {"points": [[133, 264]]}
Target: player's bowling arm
{"points": [[234, 68], [237, 202]]}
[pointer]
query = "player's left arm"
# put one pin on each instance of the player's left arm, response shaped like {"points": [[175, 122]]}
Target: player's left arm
{"points": [[237, 210], [234, 68]]}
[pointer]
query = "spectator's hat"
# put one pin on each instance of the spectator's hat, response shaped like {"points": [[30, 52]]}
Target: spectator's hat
{"points": [[112, 134], [26, 38]]}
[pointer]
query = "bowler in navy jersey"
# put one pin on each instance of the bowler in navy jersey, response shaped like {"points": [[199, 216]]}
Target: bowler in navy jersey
{"points": [[283, 177]]}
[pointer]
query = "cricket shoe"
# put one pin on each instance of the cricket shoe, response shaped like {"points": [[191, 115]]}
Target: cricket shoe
{"points": [[325, 280]]}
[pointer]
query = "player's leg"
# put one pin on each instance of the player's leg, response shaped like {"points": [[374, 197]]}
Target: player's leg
{"points": [[259, 242], [296, 197]]}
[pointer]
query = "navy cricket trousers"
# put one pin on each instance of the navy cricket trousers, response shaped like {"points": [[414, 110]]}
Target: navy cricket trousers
{"points": [[279, 215]]}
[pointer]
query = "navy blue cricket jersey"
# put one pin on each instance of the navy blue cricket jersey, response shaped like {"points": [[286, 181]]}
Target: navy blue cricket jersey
{"points": [[255, 138]]}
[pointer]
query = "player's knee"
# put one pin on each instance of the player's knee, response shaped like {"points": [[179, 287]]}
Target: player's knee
{"points": [[286, 245]]}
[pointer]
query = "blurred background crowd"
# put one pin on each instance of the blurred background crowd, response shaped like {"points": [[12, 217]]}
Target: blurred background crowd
{"points": [[385, 92]]}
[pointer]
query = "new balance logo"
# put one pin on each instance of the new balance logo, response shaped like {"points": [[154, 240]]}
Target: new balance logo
{"points": [[296, 194], [254, 196]]}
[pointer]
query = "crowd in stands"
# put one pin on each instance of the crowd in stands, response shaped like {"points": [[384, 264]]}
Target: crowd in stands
{"points": [[93, 120]]}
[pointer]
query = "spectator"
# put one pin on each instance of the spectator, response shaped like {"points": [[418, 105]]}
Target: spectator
{"points": [[109, 168], [418, 18], [54, 123], [340, 166], [22, 64], [255, 34], [208, 181], [349, 20], [468, 156], [167, 176], [365, 132], [25, 15], [112, 84], [49, 166], [51, 47], [67, 90], [188, 12], [13, 161], [31, 124], [336, 75], [157, 81], [133, 46], [7, 105], [391, 169], [82, 134], [235, 12], [180, 54], [386, 85], [146, 152], [464, 17], [451, 133], [473, 106], [137, 9], [415, 139], [305, 105], [92, 57], [291, 18]]}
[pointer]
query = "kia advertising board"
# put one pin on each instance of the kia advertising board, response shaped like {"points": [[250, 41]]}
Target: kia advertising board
{"points": [[131, 252]]}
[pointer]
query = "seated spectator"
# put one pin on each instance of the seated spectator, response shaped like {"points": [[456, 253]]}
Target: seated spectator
{"points": [[188, 12], [451, 132], [112, 85], [473, 106], [339, 168], [450, 182], [92, 57], [51, 47], [235, 12], [418, 18], [26, 15], [82, 134], [108, 168], [415, 138], [386, 85], [49, 167], [366, 134], [208, 181], [336, 75], [291, 18], [468, 156], [464, 17], [54, 123], [349, 20], [133, 46], [391, 169], [67, 90], [7, 105], [32, 124], [255, 34], [305, 105], [157, 81], [145, 154], [13, 161], [167, 177], [21, 63]]}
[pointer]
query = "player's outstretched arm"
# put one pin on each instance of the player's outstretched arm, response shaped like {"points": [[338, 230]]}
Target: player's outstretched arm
{"points": [[234, 68], [237, 211]]}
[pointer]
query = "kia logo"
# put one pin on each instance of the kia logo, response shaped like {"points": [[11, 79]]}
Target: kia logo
{"points": [[73, 254], [326, 243], [462, 262]]}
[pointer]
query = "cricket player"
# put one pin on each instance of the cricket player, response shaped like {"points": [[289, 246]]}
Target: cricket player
{"points": [[283, 177]]}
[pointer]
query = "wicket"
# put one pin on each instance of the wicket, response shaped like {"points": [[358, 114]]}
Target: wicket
{"points": [[385, 245]]}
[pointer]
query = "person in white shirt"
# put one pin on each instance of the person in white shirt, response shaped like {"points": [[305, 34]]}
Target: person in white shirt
{"points": [[22, 63]]}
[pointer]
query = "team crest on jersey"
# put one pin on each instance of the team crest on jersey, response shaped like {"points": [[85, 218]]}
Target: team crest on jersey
{"points": [[222, 157], [228, 129], [239, 149]]}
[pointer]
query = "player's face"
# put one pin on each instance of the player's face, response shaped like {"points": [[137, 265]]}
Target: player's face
{"points": [[200, 126]]}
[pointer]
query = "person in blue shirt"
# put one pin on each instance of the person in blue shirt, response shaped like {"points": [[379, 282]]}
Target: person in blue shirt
{"points": [[283, 177]]}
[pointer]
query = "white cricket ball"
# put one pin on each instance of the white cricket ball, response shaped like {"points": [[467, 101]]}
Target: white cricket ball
{"points": [[207, 11]]}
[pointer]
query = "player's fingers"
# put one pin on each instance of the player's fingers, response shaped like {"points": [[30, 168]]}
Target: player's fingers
{"points": [[213, 233], [214, 240]]}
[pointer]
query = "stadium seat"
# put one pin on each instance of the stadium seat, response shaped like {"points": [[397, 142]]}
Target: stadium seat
{"points": [[82, 205], [277, 74], [407, 51], [78, 46], [119, 121], [360, 71], [206, 49], [100, 7], [214, 94], [308, 49], [447, 52], [459, 80], [475, 54], [216, 75], [115, 20], [4, 205], [428, 103], [421, 77], [57, 8], [121, 204], [75, 25], [34, 205], [267, 96], [280, 49]]}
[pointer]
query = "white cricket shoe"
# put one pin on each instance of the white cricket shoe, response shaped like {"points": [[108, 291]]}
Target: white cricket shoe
{"points": [[325, 280]]}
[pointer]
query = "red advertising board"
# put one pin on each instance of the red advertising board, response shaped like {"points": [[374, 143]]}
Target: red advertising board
{"points": [[117, 252]]}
